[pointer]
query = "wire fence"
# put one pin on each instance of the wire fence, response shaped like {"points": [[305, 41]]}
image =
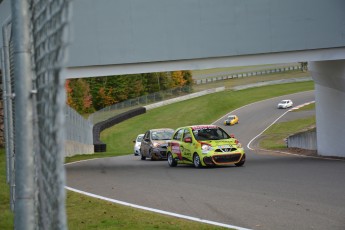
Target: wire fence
{"points": [[79, 138], [118, 108], [32, 59]]}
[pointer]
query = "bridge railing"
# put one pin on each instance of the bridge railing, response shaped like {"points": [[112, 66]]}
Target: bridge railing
{"points": [[213, 77]]}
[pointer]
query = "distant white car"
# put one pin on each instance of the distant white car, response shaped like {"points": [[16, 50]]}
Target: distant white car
{"points": [[137, 144], [285, 104]]}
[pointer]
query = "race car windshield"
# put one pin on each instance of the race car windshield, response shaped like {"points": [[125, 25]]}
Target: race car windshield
{"points": [[210, 134], [162, 135], [140, 138]]}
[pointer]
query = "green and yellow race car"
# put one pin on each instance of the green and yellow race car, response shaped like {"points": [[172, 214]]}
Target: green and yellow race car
{"points": [[204, 145]]}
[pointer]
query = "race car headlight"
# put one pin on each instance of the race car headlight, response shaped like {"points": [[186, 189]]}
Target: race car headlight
{"points": [[239, 145], [205, 148], [155, 144]]}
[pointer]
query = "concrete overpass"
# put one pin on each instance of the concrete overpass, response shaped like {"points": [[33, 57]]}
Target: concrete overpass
{"points": [[135, 36]]}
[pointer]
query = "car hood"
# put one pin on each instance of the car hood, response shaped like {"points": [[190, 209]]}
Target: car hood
{"points": [[217, 143], [161, 141]]}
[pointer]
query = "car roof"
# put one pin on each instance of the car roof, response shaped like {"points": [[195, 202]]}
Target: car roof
{"points": [[162, 129], [195, 127]]}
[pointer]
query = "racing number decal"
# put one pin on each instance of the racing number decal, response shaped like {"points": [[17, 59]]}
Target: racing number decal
{"points": [[175, 149]]}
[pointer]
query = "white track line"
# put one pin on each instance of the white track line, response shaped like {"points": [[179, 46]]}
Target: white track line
{"points": [[292, 109], [156, 210], [248, 145]]}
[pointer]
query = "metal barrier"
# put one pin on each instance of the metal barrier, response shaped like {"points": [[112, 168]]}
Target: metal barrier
{"points": [[303, 140], [208, 78], [79, 139]]}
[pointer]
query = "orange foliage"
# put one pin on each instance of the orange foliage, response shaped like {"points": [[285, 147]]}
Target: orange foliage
{"points": [[106, 97], [69, 91], [178, 79]]}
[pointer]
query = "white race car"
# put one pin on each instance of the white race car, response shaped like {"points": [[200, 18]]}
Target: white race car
{"points": [[285, 104]]}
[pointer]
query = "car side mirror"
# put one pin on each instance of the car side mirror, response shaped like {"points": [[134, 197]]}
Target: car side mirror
{"points": [[133, 141], [232, 135], [188, 140]]}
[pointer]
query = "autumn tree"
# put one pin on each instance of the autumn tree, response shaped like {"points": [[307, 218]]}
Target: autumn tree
{"points": [[95, 93], [177, 79], [78, 95]]}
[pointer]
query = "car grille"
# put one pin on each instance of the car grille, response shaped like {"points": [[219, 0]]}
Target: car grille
{"points": [[225, 150], [228, 158]]}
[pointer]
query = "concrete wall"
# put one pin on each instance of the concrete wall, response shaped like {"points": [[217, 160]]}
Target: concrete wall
{"points": [[304, 140], [329, 77], [73, 148]]}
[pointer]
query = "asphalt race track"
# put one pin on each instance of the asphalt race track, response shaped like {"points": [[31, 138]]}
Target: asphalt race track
{"points": [[271, 191]]}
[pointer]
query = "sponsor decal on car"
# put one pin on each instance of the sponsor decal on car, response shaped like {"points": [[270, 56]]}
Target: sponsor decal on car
{"points": [[199, 127]]}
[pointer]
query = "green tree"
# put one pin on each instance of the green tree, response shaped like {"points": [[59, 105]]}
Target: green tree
{"points": [[187, 75]]}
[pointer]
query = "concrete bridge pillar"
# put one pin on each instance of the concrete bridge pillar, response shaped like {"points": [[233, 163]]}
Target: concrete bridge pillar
{"points": [[329, 77]]}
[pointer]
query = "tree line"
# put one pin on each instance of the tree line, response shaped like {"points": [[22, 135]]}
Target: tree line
{"points": [[87, 95]]}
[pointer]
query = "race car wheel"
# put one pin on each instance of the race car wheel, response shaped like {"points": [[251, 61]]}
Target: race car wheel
{"points": [[152, 156], [142, 156], [196, 161], [171, 161], [241, 163]]}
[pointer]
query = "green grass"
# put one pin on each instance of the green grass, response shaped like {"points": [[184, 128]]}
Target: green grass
{"points": [[307, 107], [6, 216], [274, 137], [89, 213]]}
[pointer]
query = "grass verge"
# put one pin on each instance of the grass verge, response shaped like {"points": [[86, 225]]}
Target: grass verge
{"points": [[88, 213], [274, 137], [6, 215]]}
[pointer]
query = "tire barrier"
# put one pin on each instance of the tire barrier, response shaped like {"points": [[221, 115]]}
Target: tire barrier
{"points": [[99, 146]]}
